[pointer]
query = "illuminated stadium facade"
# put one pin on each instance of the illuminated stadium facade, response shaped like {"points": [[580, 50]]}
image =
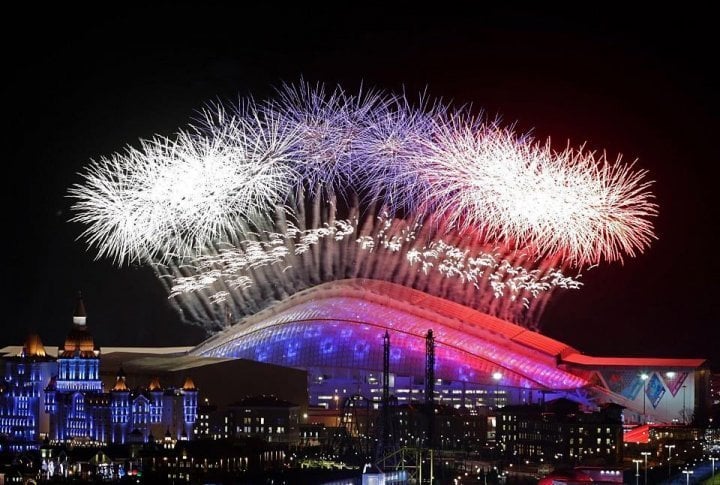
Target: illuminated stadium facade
{"points": [[335, 331], [300, 229]]}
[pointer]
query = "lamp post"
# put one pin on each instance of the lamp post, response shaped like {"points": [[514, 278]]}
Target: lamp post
{"points": [[496, 377], [712, 458], [683, 411], [669, 447], [645, 455], [336, 398], [637, 470], [687, 476], [644, 377]]}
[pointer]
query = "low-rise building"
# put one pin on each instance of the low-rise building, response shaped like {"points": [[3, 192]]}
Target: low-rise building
{"points": [[560, 432], [267, 417]]}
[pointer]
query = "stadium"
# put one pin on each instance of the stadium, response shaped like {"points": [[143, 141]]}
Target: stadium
{"points": [[335, 331], [303, 230]]}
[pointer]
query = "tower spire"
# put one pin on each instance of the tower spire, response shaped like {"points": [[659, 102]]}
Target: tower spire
{"points": [[79, 317]]}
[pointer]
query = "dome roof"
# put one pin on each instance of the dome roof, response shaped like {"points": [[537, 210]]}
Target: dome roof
{"points": [[79, 339], [120, 385], [33, 346], [189, 385], [154, 384]]}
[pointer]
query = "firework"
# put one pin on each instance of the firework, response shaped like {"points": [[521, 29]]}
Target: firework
{"points": [[175, 197], [257, 201], [512, 190], [328, 123], [386, 147]]}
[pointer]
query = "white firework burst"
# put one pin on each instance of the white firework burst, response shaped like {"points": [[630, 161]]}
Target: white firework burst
{"points": [[511, 190], [176, 196]]}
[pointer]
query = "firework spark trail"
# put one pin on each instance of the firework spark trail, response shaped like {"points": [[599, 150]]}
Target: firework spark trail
{"points": [[217, 275], [228, 263], [260, 200]]}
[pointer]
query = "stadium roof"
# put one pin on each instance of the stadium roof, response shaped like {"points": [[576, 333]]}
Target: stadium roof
{"points": [[414, 302], [586, 360]]}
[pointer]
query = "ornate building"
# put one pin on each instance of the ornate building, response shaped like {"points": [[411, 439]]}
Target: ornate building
{"points": [[145, 414], [64, 400], [22, 393], [74, 399]]}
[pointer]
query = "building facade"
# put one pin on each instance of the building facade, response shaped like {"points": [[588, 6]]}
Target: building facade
{"points": [[74, 399], [63, 398], [335, 331], [152, 412], [267, 417], [22, 395], [559, 432]]}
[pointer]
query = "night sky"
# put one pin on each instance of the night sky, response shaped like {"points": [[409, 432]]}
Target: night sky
{"points": [[80, 84]]}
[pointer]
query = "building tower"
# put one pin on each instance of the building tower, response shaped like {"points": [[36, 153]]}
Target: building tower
{"points": [[190, 399], [78, 359], [22, 395], [77, 403], [155, 394], [386, 390], [119, 408]]}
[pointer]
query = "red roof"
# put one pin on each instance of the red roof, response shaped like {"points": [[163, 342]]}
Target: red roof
{"points": [[580, 359], [639, 434], [478, 320]]}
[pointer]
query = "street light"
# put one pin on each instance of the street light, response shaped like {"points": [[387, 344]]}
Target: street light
{"points": [[645, 454], [644, 377], [669, 447], [337, 414], [637, 470], [687, 476], [712, 458]]}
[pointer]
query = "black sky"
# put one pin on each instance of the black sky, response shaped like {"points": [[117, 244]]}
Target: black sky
{"points": [[83, 83]]}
